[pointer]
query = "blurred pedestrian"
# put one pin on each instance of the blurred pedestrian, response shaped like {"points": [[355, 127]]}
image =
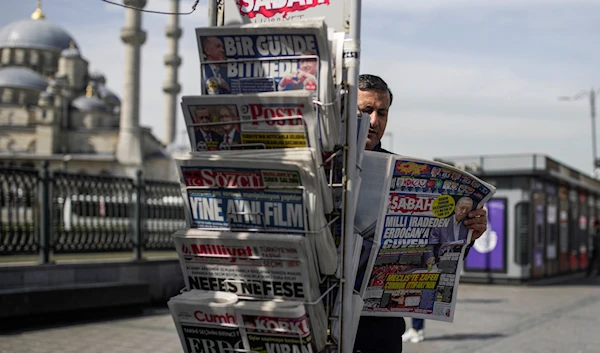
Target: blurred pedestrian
{"points": [[416, 333], [595, 251]]}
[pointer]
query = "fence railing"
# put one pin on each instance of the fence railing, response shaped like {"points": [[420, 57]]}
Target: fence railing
{"points": [[60, 212]]}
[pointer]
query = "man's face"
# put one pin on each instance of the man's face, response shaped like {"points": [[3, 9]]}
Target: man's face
{"points": [[377, 105], [213, 47], [225, 116], [203, 117], [309, 65], [462, 208]]}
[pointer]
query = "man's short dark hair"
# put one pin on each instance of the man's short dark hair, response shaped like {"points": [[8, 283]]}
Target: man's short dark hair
{"points": [[368, 82]]}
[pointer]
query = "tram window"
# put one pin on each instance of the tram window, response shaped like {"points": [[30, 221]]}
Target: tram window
{"points": [[539, 239], [552, 233], [522, 220]]}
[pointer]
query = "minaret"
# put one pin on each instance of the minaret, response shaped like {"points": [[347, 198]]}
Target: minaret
{"points": [[129, 148], [172, 62]]}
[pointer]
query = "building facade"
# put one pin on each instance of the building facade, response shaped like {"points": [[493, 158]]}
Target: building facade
{"points": [[53, 108]]}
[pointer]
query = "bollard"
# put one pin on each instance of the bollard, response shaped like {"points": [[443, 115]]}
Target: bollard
{"points": [[45, 214], [137, 216]]}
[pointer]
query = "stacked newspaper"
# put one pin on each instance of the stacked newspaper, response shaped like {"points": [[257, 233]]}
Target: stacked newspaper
{"points": [[275, 326], [253, 266], [271, 57], [275, 191], [209, 321], [206, 321]]}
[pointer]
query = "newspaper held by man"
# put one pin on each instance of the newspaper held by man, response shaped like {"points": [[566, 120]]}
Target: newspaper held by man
{"points": [[336, 12], [206, 321], [419, 240], [260, 191], [253, 265], [251, 121], [271, 57]]}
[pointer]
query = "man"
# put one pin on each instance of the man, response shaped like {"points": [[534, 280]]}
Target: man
{"points": [[214, 51], [206, 138], [382, 334], [231, 134], [455, 230]]}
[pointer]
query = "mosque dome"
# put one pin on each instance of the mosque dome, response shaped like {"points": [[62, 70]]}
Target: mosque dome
{"points": [[108, 95], [90, 104], [35, 33], [21, 77], [71, 51], [97, 76]]}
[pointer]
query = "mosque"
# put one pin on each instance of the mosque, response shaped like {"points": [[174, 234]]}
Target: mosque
{"points": [[52, 108]]}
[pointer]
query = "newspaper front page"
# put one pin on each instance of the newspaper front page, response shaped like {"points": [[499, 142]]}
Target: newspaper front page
{"points": [[251, 121], [419, 238], [275, 326], [206, 321]]}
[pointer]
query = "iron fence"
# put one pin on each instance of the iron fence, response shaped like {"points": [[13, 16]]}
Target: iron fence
{"points": [[80, 213]]}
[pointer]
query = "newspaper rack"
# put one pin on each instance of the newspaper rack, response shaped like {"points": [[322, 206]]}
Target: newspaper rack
{"points": [[339, 287]]}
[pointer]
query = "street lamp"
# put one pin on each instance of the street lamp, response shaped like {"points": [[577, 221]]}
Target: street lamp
{"points": [[592, 96]]}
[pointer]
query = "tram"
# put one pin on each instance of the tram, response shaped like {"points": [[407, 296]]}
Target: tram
{"points": [[540, 221]]}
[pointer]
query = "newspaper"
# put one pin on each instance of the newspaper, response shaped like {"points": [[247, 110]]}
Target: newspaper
{"points": [[255, 58], [252, 265], [336, 12], [268, 191], [419, 239], [206, 321], [275, 326], [251, 121]]}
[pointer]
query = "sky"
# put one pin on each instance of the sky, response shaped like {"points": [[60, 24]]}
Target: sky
{"points": [[469, 77]]}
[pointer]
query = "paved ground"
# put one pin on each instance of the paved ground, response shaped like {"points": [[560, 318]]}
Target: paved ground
{"points": [[551, 318]]}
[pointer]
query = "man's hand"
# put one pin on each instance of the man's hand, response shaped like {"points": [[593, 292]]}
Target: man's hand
{"points": [[477, 221]]}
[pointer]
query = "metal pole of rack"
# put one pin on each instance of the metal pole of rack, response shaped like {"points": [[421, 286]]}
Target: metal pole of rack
{"points": [[352, 62], [212, 13]]}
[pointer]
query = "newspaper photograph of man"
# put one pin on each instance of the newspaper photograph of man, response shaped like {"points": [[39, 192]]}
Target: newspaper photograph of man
{"points": [[230, 127], [215, 74], [455, 230], [206, 138]]}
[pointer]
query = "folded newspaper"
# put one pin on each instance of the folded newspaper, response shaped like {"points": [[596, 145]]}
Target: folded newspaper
{"points": [[415, 240], [275, 326], [206, 321], [253, 266], [270, 57], [251, 121], [265, 191]]}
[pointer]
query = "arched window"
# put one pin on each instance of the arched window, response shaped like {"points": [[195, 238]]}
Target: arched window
{"points": [[7, 95], [19, 56], [22, 97], [6, 56]]}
